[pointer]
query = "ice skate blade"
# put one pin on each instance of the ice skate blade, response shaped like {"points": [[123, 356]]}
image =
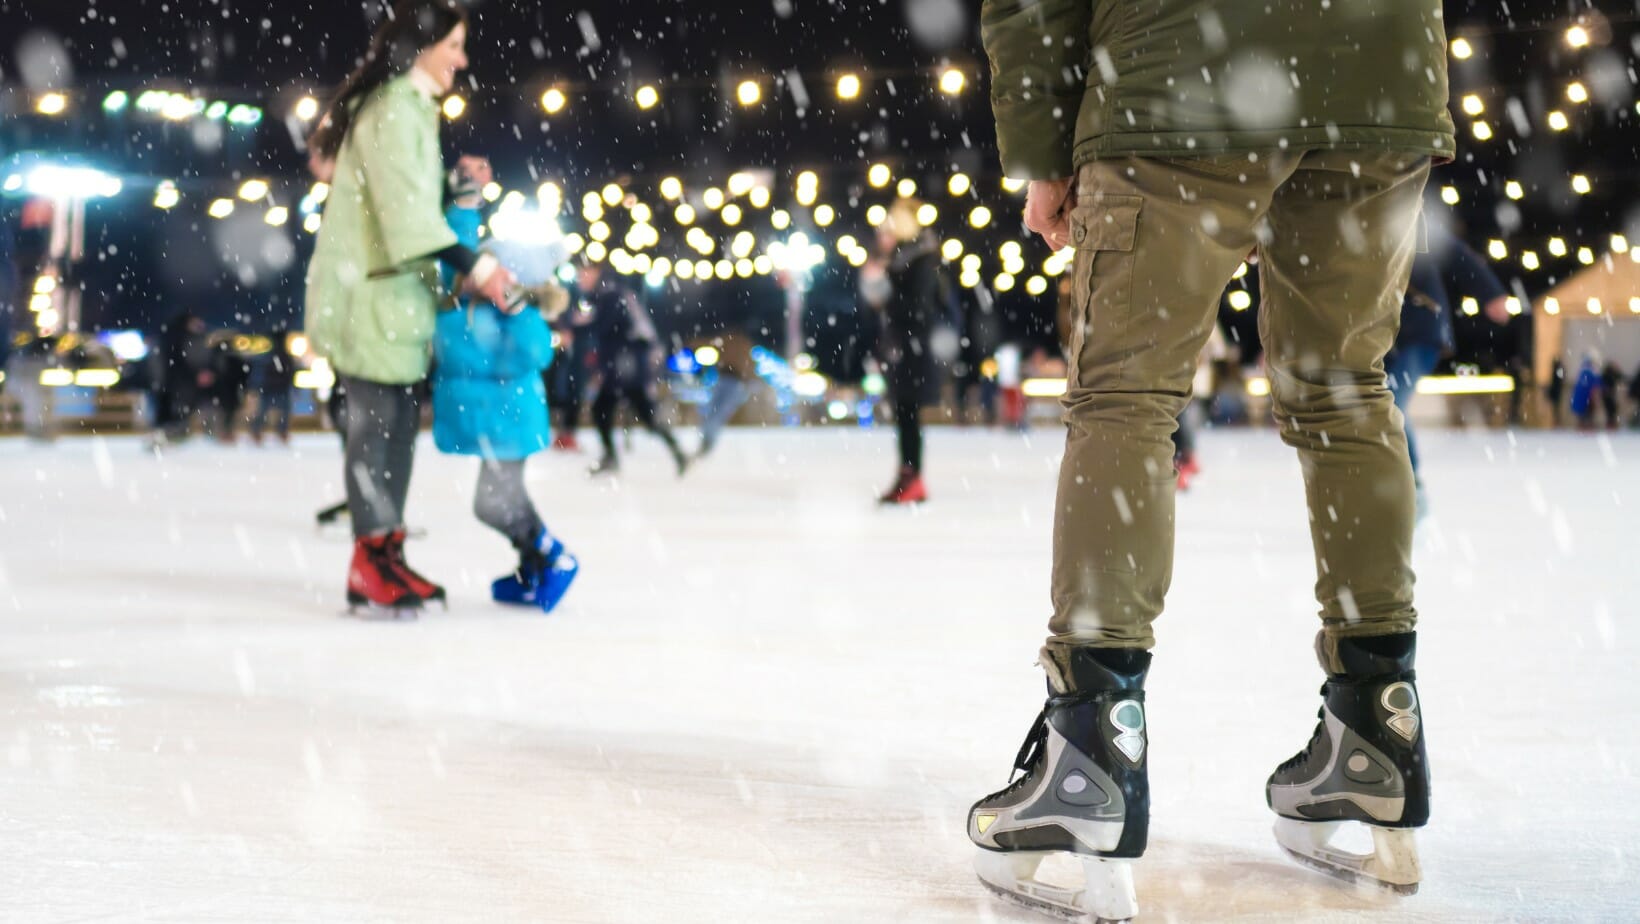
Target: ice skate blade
{"points": [[1393, 863], [1105, 895]]}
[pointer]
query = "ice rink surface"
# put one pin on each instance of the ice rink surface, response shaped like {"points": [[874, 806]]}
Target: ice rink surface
{"points": [[764, 700]]}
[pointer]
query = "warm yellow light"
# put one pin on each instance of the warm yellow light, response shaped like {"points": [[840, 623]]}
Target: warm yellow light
{"points": [[671, 188], [906, 188], [781, 219], [952, 81], [1010, 185], [554, 100], [750, 93], [1634, 305], [1557, 246], [1577, 92], [876, 215], [1577, 37], [1042, 388], [41, 303], [848, 87], [759, 197], [1461, 49], [979, 217], [712, 198], [596, 252], [1466, 385], [1594, 306], [599, 231], [612, 194], [951, 249], [824, 216], [307, 108], [808, 179], [1513, 189], [1470, 306], [927, 215], [879, 175], [277, 216], [491, 191], [684, 214], [846, 244], [97, 378], [684, 269], [741, 183], [551, 197], [45, 285], [1473, 105], [723, 269], [311, 223], [221, 208], [1529, 260], [1551, 305], [1620, 244], [731, 214], [1580, 184], [1558, 121], [1240, 300], [1004, 282], [1512, 305], [1585, 256], [1481, 131], [454, 107], [959, 184], [1449, 195], [744, 268], [1036, 285], [646, 97], [51, 104], [1497, 249], [807, 195], [858, 257], [166, 196], [253, 190]]}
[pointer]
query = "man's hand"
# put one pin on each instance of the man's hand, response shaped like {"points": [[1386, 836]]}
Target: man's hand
{"points": [[1497, 310], [1048, 205]]}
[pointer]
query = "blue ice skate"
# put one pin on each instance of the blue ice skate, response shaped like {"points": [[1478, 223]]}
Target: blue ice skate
{"points": [[542, 578]]}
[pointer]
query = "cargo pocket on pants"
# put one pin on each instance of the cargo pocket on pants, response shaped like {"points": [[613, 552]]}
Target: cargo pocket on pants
{"points": [[1103, 233]]}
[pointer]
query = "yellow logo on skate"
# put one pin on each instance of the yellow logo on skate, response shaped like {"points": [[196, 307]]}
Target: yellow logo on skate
{"points": [[984, 822]]}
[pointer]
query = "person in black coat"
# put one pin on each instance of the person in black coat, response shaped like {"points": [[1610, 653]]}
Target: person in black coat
{"points": [[185, 374], [623, 339], [274, 388], [902, 283]]}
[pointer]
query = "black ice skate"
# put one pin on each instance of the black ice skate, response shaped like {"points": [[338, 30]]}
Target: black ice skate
{"points": [[1365, 766], [1083, 796]]}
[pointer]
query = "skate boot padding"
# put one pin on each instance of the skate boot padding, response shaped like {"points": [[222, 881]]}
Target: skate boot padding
{"points": [[1365, 765]]}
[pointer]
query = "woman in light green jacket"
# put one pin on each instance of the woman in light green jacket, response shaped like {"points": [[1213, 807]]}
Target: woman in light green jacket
{"points": [[373, 286]]}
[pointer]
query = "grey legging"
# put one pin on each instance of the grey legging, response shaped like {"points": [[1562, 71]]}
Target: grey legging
{"points": [[502, 503], [382, 421]]}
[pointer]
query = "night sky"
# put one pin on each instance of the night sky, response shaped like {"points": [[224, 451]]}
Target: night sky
{"points": [[273, 52]]}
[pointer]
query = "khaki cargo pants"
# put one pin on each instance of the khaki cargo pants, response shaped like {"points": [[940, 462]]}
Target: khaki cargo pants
{"points": [[1156, 243]]}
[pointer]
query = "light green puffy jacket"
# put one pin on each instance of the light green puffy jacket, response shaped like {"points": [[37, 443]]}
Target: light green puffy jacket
{"points": [[373, 288], [1074, 81]]}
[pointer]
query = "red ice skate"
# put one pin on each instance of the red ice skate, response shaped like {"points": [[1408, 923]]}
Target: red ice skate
{"points": [[564, 441], [908, 489], [372, 582], [407, 575], [1188, 468]]}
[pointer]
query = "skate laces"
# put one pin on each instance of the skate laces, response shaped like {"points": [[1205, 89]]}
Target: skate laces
{"points": [[1320, 729]]}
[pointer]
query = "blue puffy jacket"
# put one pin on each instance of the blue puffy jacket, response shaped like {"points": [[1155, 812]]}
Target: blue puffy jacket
{"points": [[488, 396]]}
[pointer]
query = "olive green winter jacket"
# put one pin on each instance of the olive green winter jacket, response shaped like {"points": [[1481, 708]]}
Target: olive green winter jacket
{"points": [[1079, 80], [373, 287]]}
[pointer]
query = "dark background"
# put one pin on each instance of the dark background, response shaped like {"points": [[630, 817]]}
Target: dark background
{"points": [[149, 264]]}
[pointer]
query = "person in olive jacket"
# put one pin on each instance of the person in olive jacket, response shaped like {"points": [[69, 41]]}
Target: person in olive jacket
{"points": [[373, 286], [1165, 141]]}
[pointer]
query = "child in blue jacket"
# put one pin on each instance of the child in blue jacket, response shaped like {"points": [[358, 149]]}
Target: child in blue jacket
{"points": [[489, 401]]}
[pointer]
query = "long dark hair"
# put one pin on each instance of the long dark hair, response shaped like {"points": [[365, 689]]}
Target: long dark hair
{"points": [[411, 27]]}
